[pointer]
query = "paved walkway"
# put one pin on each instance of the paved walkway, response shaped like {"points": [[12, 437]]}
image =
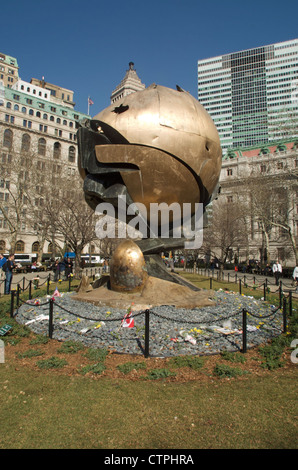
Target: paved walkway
{"points": [[229, 275]]}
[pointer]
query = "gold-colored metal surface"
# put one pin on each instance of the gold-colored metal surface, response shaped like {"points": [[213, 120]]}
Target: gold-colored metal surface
{"points": [[173, 122], [159, 177], [127, 268]]}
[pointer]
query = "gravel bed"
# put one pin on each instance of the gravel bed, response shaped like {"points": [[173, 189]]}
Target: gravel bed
{"points": [[173, 331]]}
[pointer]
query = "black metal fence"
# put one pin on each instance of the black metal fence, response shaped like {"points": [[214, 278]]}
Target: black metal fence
{"points": [[285, 308]]}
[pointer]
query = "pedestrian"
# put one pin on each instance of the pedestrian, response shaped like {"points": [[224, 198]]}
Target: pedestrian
{"points": [[295, 277], [2, 262], [277, 271], [68, 268], [8, 267], [56, 270]]}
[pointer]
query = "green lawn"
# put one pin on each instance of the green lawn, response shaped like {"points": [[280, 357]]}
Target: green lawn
{"points": [[41, 410]]}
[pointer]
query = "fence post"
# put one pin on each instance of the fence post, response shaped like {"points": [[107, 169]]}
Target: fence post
{"points": [[69, 283], [210, 282], [264, 290], [24, 283], [18, 295], [12, 303], [290, 303], [284, 314], [244, 342], [51, 318], [30, 289], [280, 294], [240, 290], [48, 284], [147, 312]]}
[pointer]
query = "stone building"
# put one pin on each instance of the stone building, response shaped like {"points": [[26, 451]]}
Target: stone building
{"points": [[36, 119], [264, 179], [130, 84]]}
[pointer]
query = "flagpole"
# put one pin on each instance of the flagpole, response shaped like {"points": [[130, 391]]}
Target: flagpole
{"points": [[88, 105]]}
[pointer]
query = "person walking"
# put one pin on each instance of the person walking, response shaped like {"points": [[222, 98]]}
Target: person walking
{"points": [[68, 268], [8, 266], [277, 271], [295, 277], [2, 262]]}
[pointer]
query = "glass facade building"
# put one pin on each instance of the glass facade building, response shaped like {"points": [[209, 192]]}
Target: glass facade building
{"points": [[252, 95]]}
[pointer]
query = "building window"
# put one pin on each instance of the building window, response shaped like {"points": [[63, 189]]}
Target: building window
{"points": [[25, 143], [42, 147], [229, 172], [71, 154], [7, 138], [263, 168], [20, 246], [35, 247], [2, 246], [57, 150]]}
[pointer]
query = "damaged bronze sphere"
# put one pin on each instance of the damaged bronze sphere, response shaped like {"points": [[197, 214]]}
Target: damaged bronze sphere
{"points": [[127, 268], [155, 146]]}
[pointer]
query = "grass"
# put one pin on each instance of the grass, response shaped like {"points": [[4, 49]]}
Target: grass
{"points": [[42, 410], [43, 407]]}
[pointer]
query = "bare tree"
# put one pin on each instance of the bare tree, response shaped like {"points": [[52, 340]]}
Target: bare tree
{"points": [[70, 218], [17, 196], [226, 230]]}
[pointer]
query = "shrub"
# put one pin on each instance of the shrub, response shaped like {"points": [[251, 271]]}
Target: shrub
{"points": [[70, 347], [233, 357], [129, 366], [39, 339], [155, 374], [93, 368], [225, 371], [30, 353], [52, 363], [97, 354], [187, 361]]}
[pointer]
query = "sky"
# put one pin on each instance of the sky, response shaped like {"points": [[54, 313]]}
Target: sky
{"points": [[86, 46]]}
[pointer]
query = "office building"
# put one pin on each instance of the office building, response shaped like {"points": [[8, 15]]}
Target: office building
{"points": [[252, 95]]}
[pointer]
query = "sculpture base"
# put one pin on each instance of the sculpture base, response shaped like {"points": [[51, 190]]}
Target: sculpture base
{"points": [[155, 292]]}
